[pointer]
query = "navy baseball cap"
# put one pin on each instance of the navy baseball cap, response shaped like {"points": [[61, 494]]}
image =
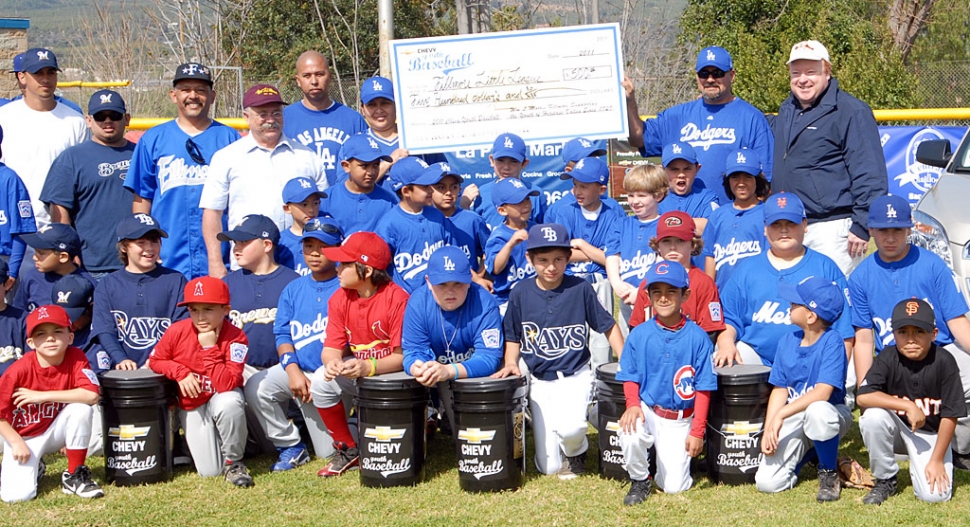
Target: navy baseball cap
{"points": [[668, 273], [675, 151], [784, 206], [36, 59], [890, 212], [509, 145], [74, 293], [511, 190], [252, 227], [325, 229], [4, 270], [410, 171], [821, 295], [300, 188], [914, 312], [376, 87], [546, 235], [449, 264], [55, 237], [576, 149], [18, 63], [106, 101], [138, 225], [192, 71], [743, 160], [362, 148], [442, 170], [714, 56], [589, 170]]}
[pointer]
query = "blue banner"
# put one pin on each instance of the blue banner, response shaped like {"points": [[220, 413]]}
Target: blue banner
{"points": [[907, 177]]}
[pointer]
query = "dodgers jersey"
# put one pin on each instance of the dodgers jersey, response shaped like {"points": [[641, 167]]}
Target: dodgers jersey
{"points": [[597, 232], [357, 212], [470, 335], [631, 241], [799, 368], [670, 365], [568, 198], [12, 341], [732, 235], [16, 213], [876, 286], [301, 318], [162, 171], [761, 317], [412, 238], [389, 146], [289, 252], [698, 203], [324, 132], [484, 207], [254, 307], [471, 235], [518, 267]]}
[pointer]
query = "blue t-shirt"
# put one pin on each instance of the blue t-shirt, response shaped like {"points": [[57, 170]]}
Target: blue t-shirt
{"points": [[470, 335], [518, 267], [16, 214], [254, 307], [89, 180], [471, 235], [596, 232], [324, 132], [731, 236], [301, 318], [12, 339], [799, 368], [36, 287], [357, 212], [631, 240], [289, 252], [484, 207], [412, 238]]}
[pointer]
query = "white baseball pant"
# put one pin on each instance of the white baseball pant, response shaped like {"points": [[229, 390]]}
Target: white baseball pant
{"points": [[559, 418], [599, 346], [255, 430], [669, 437], [216, 432], [831, 238], [961, 436], [328, 393], [268, 394], [96, 444]]}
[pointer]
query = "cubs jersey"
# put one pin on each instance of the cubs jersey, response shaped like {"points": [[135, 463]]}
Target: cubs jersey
{"points": [[516, 270], [631, 241], [471, 234], [357, 212], [36, 287], [289, 252], [302, 316], [596, 228], [16, 213], [323, 131], [484, 207], [12, 328], [254, 307], [412, 238], [370, 327], [732, 235], [800, 368]]}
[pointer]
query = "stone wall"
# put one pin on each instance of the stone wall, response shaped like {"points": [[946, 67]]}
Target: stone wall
{"points": [[12, 42]]}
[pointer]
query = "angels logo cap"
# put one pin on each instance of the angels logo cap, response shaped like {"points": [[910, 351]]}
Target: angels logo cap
{"points": [[205, 290]]}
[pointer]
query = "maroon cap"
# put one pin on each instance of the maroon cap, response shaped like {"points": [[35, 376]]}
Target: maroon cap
{"points": [[49, 314], [261, 94], [205, 290], [364, 247], [677, 224]]}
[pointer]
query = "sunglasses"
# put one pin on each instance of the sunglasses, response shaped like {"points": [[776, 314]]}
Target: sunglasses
{"points": [[194, 152], [105, 116], [716, 73], [317, 225]]}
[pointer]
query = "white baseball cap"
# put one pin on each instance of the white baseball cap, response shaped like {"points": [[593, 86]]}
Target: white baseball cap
{"points": [[809, 50]]}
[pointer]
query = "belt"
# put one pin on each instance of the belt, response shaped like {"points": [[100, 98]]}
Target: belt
{"points": [[555, 374], [672, 414]]}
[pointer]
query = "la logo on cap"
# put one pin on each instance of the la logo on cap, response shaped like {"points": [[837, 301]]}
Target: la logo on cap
{"points": [[912, 308], [890, 211], [549, 234], [377, 86], [741, 158], [304, 183], [105, 98], [676, 148], [711, 55], [580, 163], [198, 289], [585, 143], [444, 166], [372, 143], [449, 265], [516, 183], [42, 55], [508, 142], [673, 221]]}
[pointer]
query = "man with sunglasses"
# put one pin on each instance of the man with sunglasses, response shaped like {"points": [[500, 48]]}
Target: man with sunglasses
{"points": [[85, 186], [716, 124]]}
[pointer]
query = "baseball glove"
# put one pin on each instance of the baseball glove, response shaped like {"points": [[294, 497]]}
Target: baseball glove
{"points": [[853, 475]]}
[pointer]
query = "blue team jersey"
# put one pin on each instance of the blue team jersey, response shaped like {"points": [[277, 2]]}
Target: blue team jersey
{"points": [[669, 365], [357, 212], [412, 238], [799, 368], [761, 317], [597, 232], [389, 146], [471, 235], [484, 207], [552, 211], [289, 252], [517, 269], [87, 341], [470, 335], [631, 241], [254, 306], [698, 203], [731, 236], [301, 318], [36, 287], [875, 287], [12, 329], [324, 132], [162, 171], [715, 131], [16, 214]]}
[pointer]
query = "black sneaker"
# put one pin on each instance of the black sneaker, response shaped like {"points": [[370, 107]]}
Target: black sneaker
{"points": [[881, 492], [237, 474], [345, 458], [829, 486], [960, 461], [41, 470], [572, 466], [639, 491], [80, 483]]}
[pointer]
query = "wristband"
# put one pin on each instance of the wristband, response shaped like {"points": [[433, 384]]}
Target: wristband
{"points": [[373, 367], [455, 366], [287, 358]]}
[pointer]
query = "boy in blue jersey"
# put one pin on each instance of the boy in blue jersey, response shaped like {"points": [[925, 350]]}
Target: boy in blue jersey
{"points": [[15, 207], [505, 257], [300, 328], [806, 407], [546, 325], [56, 246], [572, 151], [667, 382], [356, 202], [508, 159], [469, 229], [12, 326], [134, 305], [301, 200], [680, 164]]}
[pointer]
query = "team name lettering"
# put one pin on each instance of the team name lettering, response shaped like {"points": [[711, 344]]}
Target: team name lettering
{"points": [[637, 266], [413, 264], [552, 343], [11, 353], [108, 169], [33, 413], [140, 332], [303, 334], [707, 137], [453, 357], [263, 315], [927, 405], [175, 172], [794, 394], [769, 314], [520, 273], [734, 250]]}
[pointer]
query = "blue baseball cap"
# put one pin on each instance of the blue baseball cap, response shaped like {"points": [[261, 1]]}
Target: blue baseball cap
{"points": [[509, 145], [546, 235], [821, 295], [714, 56], [449, 264], [410, 171], [36, 59], [137, 225], [74, 294], [300, 188], [252, 227], [376, 87], [442, 170], [743, 160], [576, 149], [325, 229], [890, 212], [362, 148], [675, 151], [18, 63], [106, 101], [589, 170], [784, 206], [511, 190], [668, 273], [55, 237]]}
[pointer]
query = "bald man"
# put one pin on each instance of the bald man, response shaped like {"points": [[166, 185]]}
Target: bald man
{"points": [[318, 121]]}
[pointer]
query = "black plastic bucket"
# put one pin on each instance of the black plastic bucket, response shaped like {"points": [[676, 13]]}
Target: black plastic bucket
{"points": [[391, 413], [490, 432], [610, 405], [139, 409], [736, 423]]}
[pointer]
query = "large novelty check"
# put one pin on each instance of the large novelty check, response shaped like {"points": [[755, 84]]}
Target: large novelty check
{"points": [[546, 85]]}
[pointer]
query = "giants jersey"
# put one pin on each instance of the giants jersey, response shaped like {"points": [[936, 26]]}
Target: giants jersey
{"points": [[484, 207], [302, 316], [12, 328], [370, 327], [703, 306], [799, 368], [357, 212], [631, 241], [471, 234], [16, 213], [518, 267], [412, 238], [732, 235], [254, 307], [597, 232], [324, 132]]}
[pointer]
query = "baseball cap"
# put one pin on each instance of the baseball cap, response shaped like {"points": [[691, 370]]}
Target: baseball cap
{"points": [[784, 206], [106, 101], [362, 148], [808, 50], [714, 56], [57, 237], [511, 190], [192, 71], [589, 170], [18, 63], [449, 264], [49, 314], [361, 247], [821, 295], [410, 171], [442, 170], [668, 273], [36, 59], [300, 188], [676, 223], [4, 270], [675, 151], [325, 229], [509, 145], [580, 147], [890, 212], [914, 312], [375, 87], [138, 225], [743, 160], [546, 235], [73, 293], [261, 95], [252, 227], [205, 290]]}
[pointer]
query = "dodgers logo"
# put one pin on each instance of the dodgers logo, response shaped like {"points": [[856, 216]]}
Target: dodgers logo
{"points": [[372, 144], [580, 164], [508, 142], [377, 86], [304, 183], [741, 158], [684, 383], [711, 55], [585, 144], [708, 137], [449, 265]]}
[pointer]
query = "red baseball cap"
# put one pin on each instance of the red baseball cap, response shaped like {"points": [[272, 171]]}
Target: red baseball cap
{"points": [[206, 290], [363, 247], [677, 224], [49, 314]]}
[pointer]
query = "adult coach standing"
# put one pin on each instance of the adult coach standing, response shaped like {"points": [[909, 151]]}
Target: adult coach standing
{"points": [[248, 176], [715, 124], [169, 167], [828, 153], [318, 121]]}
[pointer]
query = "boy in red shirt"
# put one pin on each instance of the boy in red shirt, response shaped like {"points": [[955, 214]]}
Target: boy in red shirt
{"points": [[206, 357]]}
